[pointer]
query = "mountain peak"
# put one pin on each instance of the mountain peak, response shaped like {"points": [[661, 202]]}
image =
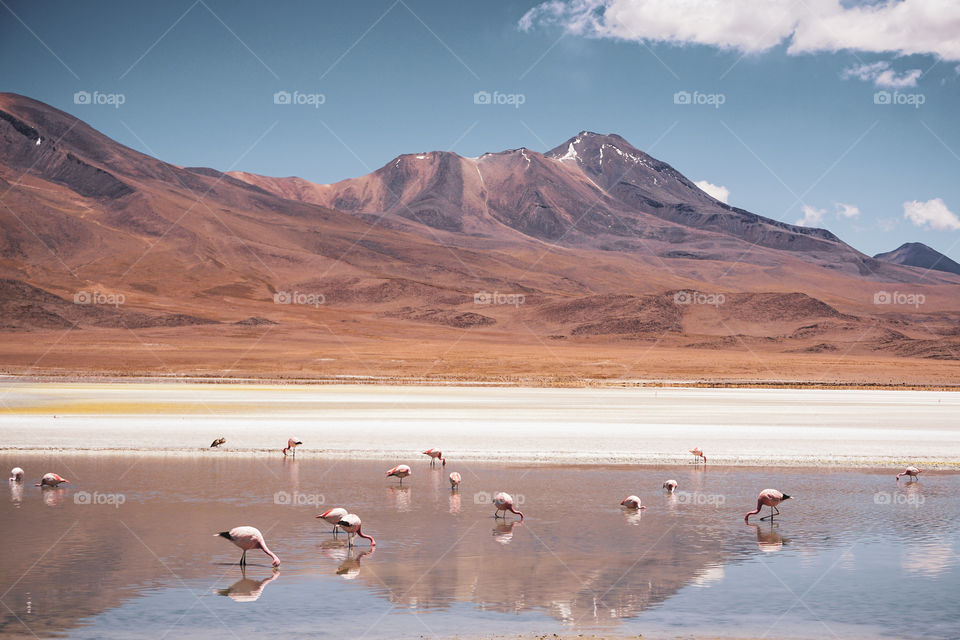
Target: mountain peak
{"points": [[917, 254]]}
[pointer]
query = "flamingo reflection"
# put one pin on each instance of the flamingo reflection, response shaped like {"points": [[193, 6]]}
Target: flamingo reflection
{"points": [[52, 497], [633, 516], [768, 539], [503, 532], [350, 567], [16, 492], [401, 497], [245, 589], [454, 502]]}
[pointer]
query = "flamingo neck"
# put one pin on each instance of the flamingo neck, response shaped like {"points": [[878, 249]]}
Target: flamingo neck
{"points": [[267, 551], [746, 518], [360, 533], [512, 510]]}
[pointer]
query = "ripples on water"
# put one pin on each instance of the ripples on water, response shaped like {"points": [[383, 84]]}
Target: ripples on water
{"points": [[854, 554]]}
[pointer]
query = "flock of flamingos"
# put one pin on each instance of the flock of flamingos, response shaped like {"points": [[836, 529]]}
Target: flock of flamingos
{"points": [[249, 538]]}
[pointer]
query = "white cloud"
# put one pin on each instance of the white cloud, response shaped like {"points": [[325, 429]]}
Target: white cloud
{"points": [[811, 217], [847, 210], [717, 191], [932, 214], [903, 27], [882, 75]]}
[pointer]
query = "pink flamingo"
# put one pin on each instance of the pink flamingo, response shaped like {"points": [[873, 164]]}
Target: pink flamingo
{"points": [[455, 480], [248, 538], [910, 472], [670, 486], [400, 471], [504, 502], [16, 474], [698, 455], [435, 454], [292, 444], [351, 524], [632, 502], [333, 516], [51, 480], [767, 498]]}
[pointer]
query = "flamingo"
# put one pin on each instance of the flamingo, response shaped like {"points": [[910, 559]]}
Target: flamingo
{"points": [[632, 502], [248, 538], [767, 498], [400, 471], [16, 474], [454, 481], [333, 516], [51, 480], [219, 441], [435, 454], [698, 454], [351, 524], [292, 446], [910, 472], [504, 502], [670, 486]]}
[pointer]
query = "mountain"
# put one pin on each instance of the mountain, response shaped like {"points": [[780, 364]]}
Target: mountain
{"points": [[593, 191], [917, 254], [517, 263]]}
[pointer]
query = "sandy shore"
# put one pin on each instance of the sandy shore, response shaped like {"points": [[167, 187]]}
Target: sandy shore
{"points": [[638, 426]]}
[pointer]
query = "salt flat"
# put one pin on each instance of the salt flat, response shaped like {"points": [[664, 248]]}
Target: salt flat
{"points": [[649, 425]]}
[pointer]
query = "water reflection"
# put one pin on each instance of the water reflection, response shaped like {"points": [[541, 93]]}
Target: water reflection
{"points": [[247, 590], [52, 496], [454, 501], [401, 497], [350, 567], [769, 539], [442, 555], [503, 531], [633, 516], [16, 492]]}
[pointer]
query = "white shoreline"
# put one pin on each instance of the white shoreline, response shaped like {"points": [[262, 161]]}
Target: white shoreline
{"points": [[640, 426]]}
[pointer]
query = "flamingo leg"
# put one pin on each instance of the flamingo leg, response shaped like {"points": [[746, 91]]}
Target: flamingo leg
{"points": [[243, 558]]}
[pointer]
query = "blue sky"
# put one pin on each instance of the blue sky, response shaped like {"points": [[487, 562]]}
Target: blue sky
{"points": [[799, 133]]}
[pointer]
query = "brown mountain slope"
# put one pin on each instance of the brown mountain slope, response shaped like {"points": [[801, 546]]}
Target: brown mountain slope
{"points": [[586, 247]]}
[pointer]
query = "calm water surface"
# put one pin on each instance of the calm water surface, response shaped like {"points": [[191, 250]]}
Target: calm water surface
{"points": [[127, 549]]}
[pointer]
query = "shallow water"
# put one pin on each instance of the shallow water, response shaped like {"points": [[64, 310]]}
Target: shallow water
{"points": [[127, 548]]}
